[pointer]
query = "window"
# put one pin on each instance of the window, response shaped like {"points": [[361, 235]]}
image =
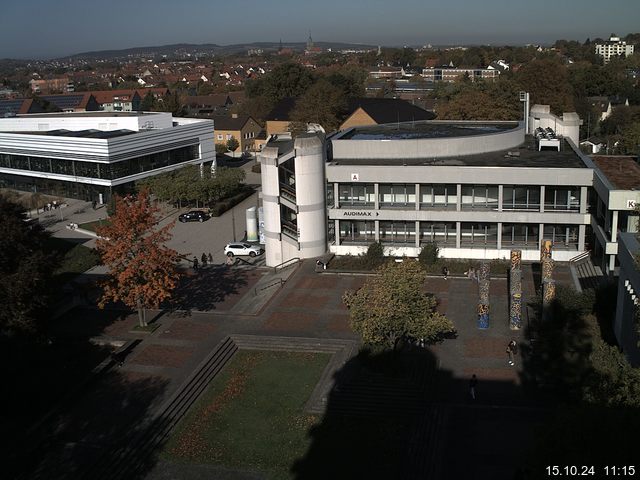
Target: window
{"points": [[229, 136], [440, 233], [220, 136], [329, 195], [398, 232], [521, 197], [562, 198], [357, 232], [479, 197], [563, 237], [357, 195], [438, 196], [479, 234], [397, 195], [520, 235]]}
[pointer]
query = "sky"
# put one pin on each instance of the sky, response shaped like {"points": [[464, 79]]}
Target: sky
{"points": [[41, 29]]}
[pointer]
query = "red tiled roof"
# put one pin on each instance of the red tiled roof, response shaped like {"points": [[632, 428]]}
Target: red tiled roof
{"points": [[622, 172]]}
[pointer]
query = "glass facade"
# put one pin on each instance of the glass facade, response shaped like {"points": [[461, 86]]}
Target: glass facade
{"points": [[479, 197], [562, 198], [441, 233], [357, 195], [521, 197], [563, 237], [443, 196], [398, 232], [357, 232], [397, 195], [107, 171], [520, 235], [479, 234]]}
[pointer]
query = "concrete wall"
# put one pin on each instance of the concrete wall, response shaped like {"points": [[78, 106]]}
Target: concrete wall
{"points": [[76, 121], [568, 126], [271, 208], [310, 195], [428, 147]]}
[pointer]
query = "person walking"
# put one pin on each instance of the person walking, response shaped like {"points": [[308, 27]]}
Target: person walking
{"points": [[472, 386], [445, 272], [203, 259], [512, 348], [195, 263], [210, 258]]}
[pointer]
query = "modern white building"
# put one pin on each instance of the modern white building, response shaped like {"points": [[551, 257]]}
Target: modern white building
{"points": [[91, 155], [614, 47], [477, 189], [628, 302]]}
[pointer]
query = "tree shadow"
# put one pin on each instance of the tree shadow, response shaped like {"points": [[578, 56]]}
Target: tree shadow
{"points": [[397, 416], [574, 366], [67, 404], [208, 289]]}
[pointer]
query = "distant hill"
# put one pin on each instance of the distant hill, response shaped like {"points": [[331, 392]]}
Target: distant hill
{"points": [[210, 48]]}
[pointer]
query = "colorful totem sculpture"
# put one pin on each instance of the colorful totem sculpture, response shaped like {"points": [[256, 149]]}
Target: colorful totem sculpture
{"points": [[516, 259], [483, 296], [515, 299]]}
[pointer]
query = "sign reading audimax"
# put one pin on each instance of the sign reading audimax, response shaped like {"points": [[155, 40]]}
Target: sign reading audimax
{"points": [[355, 213]]}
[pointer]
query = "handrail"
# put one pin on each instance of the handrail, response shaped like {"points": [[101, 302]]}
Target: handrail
{"points": [[272, 284], [286, 264], [580, 257]]}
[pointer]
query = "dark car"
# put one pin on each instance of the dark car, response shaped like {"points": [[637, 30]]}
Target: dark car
{"points": [[193, 216]]}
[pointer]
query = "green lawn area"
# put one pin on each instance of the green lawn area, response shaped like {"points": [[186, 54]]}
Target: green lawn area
{"points": [[76, 258], [91, 226], [251, 417]]}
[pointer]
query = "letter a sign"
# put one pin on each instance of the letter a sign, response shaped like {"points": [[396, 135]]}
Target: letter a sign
{"points": [[355, 177]]}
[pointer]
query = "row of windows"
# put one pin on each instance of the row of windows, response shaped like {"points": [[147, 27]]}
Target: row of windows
{"points": [[107, 171], [446, 196], [484, 235]]}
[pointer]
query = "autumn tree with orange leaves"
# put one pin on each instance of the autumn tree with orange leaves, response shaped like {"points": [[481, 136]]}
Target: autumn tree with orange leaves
{"points": [[142, 270]]}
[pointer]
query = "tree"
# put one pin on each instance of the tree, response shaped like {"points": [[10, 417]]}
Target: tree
{"points": [[285, 80], [233, 144], [429, 254], [547, 80], [149, 103], [322, 104], [26, 271], [392, 306], [221, 149], [142, 270]]}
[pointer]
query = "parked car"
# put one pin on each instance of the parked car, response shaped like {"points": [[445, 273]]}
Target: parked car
{"points": [[242, 249], [193, 216]]}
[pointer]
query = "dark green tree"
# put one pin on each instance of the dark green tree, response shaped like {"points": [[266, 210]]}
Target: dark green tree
{"points": [[322, 103], [26, 271], [233, 144]]}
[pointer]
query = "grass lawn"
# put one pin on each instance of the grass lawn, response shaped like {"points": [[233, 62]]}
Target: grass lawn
{"points": [[251, 417], [76, 258], [91, 226]]}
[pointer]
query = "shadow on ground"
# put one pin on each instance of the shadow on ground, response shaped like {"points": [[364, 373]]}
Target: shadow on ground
{"points": [[208, 288], [385, 419], [62, 416]]}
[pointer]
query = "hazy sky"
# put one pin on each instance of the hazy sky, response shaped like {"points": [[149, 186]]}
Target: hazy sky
{"points": [[52, 28]]}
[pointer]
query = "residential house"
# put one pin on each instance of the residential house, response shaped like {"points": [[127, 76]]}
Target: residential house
{"points": [[73, 102], [377, 111], [614, 47], [241, 127], [118, 100]]}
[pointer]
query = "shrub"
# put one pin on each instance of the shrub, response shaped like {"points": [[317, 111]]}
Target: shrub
{"points": [[256, 168], [429, 254], [225, 204], [374, 256]]}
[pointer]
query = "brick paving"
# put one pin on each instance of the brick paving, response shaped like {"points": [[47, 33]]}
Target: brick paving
{"points": [[308, 305]]}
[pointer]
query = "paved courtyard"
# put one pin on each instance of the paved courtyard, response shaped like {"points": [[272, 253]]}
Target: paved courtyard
{"points": [[307, 305]]}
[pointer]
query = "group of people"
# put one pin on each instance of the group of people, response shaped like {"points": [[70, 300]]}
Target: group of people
{"points": [[512, 351], [204, 259], [50, 206], [471, 273]]}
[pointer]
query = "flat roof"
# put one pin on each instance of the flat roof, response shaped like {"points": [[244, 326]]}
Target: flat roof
{"points": [[88, 114], [91, 133], [411, 130], [622, 172], [526, 155]]}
